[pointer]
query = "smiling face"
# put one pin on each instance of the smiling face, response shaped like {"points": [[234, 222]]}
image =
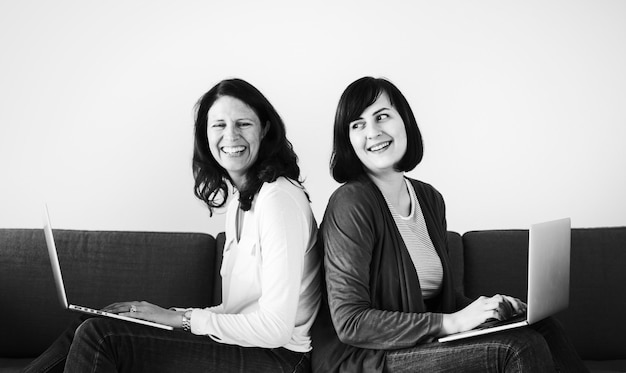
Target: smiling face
{"points": [[234, 132], [378, 137]]}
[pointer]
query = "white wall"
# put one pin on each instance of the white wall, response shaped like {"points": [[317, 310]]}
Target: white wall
{"points": [[522, 103]]}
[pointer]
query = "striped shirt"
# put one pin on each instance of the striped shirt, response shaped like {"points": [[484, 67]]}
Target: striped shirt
{"points": [[421, 249]]}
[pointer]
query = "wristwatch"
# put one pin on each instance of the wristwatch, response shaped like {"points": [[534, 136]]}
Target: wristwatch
{"points": [[187, 320]]}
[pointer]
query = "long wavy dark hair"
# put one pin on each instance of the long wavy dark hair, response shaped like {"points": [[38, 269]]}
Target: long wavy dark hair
{"points": [[276, 157]]}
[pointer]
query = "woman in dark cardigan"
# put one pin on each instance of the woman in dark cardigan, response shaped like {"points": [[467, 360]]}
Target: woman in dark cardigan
{"points": [[389, 287]]}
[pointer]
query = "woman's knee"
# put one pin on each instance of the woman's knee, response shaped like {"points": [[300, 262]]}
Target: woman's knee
{"points": [[87, 327], [529, 351], [94, 330], [91, 346]]}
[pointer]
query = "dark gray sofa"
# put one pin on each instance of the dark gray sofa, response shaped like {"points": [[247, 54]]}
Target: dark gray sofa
{"points": [[496, 262], [99, 268], [182, 269]]}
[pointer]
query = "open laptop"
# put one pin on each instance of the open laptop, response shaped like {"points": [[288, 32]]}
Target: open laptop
{"points": [[60, 287], [548, 277]]}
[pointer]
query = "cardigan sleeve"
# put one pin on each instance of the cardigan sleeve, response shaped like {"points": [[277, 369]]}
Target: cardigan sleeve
{"points": [[350, 234]]}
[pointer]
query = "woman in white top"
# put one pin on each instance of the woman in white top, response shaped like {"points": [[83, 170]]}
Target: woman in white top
{"points": [[270, 270]]}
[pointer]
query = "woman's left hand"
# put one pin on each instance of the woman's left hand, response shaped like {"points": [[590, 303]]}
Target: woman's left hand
{"points": [[146, 311]]}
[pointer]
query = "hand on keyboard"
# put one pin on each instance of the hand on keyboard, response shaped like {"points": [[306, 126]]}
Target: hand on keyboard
{"points": [[507, 315]]}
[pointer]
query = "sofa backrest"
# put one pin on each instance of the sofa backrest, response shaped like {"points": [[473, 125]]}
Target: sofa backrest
{"points": [[182, 269], [455, 253], [99, 268], [497, 262], [217, 265]]}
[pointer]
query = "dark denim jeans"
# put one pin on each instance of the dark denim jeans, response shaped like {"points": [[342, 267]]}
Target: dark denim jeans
{"points": [[542, 347], [107, 345]]}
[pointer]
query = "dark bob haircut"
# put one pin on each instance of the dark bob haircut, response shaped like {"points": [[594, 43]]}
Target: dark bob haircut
{"points": [[276, 157], [344, 164]]}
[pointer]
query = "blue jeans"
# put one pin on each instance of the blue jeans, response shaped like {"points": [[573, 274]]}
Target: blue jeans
{"points": [[542, 347], [107, 345]]}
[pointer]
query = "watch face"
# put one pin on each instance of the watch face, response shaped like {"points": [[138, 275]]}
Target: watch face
{"points": [[188, 314]]}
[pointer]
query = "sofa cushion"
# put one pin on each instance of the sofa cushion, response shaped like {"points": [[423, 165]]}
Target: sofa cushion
{"points": [[13, 365], [595, 318], [606, 366], [99, 268], [496, 262]]}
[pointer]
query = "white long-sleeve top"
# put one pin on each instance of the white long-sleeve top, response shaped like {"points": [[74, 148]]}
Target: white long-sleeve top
{"points": [[270, 276]]}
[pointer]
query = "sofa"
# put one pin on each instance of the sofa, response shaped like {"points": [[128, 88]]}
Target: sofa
{"points": [[182, 269]]}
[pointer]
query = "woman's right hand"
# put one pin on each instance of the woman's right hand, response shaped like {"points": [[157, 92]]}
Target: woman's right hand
{"points": [[147, 311], [479, 311]]}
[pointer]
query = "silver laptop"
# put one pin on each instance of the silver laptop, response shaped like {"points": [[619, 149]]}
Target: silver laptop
{"points": [[60, 287], [548, 277]]}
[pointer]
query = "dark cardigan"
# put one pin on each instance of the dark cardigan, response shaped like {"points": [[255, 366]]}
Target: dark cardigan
{"points": [[374, 297]]}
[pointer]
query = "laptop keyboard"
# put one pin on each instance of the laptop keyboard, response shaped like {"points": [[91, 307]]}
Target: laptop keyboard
{"points": [[495, 322]]}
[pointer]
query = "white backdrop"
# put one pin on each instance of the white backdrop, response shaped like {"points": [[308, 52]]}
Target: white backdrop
{"points": [[522, 104]]}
